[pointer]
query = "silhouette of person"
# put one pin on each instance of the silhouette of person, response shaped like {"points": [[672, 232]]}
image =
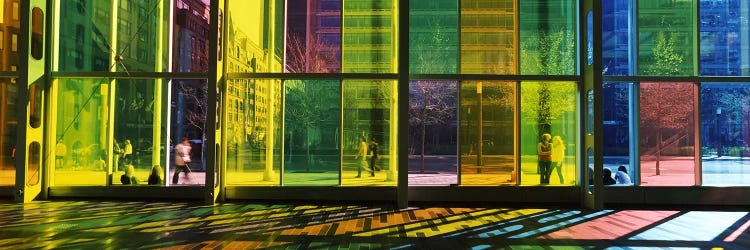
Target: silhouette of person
{"points": [[544, 151], [622, 176], [607, 175], [155, 177], [129, 176], [558, 156], [374, 154], [362, 157], [181, 159]]}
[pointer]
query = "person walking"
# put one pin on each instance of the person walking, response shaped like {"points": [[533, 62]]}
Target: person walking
{"points": [[362, 157], [181, 159]]}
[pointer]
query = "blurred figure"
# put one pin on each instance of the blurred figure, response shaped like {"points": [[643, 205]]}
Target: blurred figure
{"points": [[558, 156], [127, 152], [129, 176], [155, 177], [607, 175], [60, 151], [181, 159], [544, 151], [362, 157], [622, 176]]}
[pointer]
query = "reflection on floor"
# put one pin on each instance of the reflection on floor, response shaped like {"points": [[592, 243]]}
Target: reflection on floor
{"points": [[179, 225]]}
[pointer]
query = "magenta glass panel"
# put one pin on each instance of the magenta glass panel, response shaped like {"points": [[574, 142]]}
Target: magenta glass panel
{"points": [[667, 134], [313, 36]]}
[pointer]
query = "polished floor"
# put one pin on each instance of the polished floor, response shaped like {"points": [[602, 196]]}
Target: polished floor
{"points": [[248, 225]]}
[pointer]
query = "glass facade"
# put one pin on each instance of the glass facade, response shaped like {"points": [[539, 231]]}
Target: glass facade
{"points": [[9, 31], [549, 116], [308, 93]]}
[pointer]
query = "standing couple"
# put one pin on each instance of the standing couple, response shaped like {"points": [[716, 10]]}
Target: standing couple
{"points": [[551, 156], [362, 156]]}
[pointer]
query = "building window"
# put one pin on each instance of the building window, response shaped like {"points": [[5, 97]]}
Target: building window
{"points": [[14, 43]]}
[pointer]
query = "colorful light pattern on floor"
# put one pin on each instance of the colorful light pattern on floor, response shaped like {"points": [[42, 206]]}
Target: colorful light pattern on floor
{"points": [[184, 225]]}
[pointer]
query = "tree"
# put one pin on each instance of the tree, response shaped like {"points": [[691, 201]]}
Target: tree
{"points": [[549, 54], [668, 104], [431, 103], [308, 102]]}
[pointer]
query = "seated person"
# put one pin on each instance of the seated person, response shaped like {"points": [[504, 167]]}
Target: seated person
{"points": [[622, 176], [155, 177], [607, 175], [128, 177]]}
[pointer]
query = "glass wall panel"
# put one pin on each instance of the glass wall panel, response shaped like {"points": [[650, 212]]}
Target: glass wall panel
{"points": [[255, 36], [433, 36], [313, 36], [548, 37], [369, 118], [666, 37], [190, 42], [617, 37], [8, 125], [188, 101], [549, 132], [487, 130], [725, 44], [725, 132], [618, 130], [254, 132], [8, 91], [432, 132], [667, 133], [488, 37], [312, 145], [81, 133], [141, 27], [369, 41]]}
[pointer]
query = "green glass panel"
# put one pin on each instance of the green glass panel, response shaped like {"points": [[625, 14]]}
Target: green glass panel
{"points": [[85, 41], [548, 37], [254, 32], [137, 122], [666, 37], [433, 36], [369, 118], [369, 40], [8, 126], [141, 36], [253, 132], [81, 133], [549, 108], [487, 132], [488, 37], [312, 118]]}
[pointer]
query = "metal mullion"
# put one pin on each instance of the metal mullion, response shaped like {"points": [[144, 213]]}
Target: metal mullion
{"points": [[724, 79], [130, 75], [488, 77], [315, 76]]}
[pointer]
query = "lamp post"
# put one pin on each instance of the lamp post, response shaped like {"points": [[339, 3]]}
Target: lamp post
{"points": [[480, 142], [718, 132]]}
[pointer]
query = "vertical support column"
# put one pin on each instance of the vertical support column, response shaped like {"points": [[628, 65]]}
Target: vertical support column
{"points": [[158, 86], [112, 157], [402, 96], [591, 33], [213, 158]]}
